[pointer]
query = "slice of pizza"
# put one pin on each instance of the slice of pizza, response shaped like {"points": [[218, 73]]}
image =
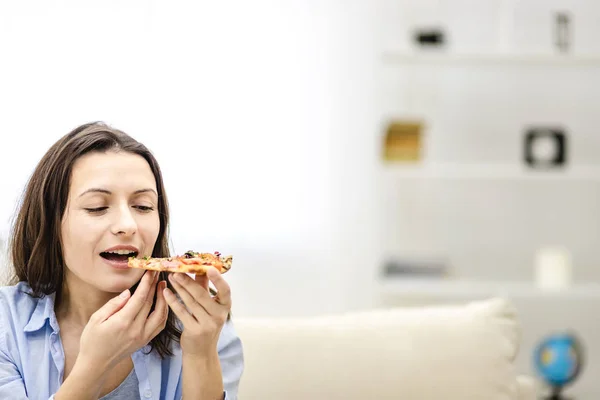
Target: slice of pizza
{"points": [[191, 262]]}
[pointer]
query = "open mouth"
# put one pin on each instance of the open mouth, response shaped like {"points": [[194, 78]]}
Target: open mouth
{"points": [[118, 255]]}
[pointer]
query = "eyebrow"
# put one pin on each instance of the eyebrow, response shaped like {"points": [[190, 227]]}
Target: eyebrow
{"points": [[99, 190]]}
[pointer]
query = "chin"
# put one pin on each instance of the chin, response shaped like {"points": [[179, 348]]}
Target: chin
{"points": [[118, 284]]}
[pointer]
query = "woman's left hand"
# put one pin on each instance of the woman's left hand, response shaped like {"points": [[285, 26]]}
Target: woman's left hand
{"points": [[202, 315]]}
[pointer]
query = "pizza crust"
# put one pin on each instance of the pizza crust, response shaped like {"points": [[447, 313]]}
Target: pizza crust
{"points": [[198, 264]]}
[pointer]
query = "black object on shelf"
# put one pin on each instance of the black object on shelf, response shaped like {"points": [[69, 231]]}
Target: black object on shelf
{"points": [[545, 147], [430, 37]]}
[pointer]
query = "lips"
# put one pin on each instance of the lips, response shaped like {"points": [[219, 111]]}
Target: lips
{"points": [[122, 248], [118, 256]]}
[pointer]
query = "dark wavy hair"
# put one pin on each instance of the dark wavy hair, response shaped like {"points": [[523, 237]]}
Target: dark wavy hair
{"points": [[35, 242]]}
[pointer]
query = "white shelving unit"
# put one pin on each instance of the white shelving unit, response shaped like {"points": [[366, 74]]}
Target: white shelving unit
{"points": [[476, 177], [540, 311], [442, 58], [516, 171], [440, 288], [492, 171]]}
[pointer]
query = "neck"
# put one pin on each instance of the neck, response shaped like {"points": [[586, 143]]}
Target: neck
{"points": [[77, 301]]}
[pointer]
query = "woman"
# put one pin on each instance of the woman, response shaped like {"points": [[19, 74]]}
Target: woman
{"points": [[76, 323]]}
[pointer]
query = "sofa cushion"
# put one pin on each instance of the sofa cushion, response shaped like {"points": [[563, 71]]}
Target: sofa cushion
{"points": [[436, 352]]}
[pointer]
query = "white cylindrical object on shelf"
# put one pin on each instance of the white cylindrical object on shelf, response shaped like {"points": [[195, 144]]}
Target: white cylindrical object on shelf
{"points": [[553, 268]]}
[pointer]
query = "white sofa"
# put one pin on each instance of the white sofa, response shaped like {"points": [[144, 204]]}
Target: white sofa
{"points": [[450, 352]]}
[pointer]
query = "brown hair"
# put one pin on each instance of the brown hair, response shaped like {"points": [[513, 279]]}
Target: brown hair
{"points": [[35, 244]]}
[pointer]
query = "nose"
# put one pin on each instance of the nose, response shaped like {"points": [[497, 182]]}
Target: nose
{"points": [[124, 223]]}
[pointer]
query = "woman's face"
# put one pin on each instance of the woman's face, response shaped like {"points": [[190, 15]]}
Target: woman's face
{"points": [[111, 214]]}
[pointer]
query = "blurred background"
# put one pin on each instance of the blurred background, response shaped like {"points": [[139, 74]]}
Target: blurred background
{"points": [[348, 154]]}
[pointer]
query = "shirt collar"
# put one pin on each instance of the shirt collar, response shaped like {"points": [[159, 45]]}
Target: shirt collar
{"points": [[44, 310]]}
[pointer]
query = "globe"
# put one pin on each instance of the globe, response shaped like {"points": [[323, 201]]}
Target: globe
{"points": [[558, 359]]}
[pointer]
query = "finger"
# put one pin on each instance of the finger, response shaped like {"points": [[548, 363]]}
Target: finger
{"points": [[194, 296], [137, 301], [111, 307], [223, 289], [143, 314], [194, 287], [178, 308], [202, 279], [157, 319]]}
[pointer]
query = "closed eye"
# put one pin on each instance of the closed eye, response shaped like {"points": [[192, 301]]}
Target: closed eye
{"points": [[144, 208], [96, 210]]}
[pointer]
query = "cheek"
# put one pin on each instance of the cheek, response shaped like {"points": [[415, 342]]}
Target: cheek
{"points": [[149, 228], [79, 236]]}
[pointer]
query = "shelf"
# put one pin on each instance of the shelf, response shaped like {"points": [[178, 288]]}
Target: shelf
{"points": [[393, 57], [490, 171], [448, 288]]}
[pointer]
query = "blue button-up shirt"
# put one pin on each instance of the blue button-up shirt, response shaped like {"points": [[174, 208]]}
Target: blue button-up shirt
{"points": [[32, 359]]}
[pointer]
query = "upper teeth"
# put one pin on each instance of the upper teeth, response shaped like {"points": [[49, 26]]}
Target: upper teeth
{"points": [[122, 252]]}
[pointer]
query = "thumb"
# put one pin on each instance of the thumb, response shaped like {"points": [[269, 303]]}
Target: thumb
{"points": [[113, 305]]}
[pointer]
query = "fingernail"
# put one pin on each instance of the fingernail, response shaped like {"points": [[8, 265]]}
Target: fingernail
{"points": [[124, 294]]}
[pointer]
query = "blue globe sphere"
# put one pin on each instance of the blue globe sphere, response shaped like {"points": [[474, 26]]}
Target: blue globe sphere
{"points": [[558, 359]]}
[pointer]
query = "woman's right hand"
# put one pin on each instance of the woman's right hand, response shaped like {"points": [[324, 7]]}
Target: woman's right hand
{"points": [[122, 325]]}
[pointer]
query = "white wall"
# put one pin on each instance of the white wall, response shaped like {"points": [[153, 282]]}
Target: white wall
{"points": [[255, 110]]}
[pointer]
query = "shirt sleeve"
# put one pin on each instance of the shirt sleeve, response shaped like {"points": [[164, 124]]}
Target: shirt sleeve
{"points": [[231, 356], [11, 382]]}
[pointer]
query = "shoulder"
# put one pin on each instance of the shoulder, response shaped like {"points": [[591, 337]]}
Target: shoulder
{"points": [[17, 306], [231, 356], [228, 334], [17, 295], [229, 345]]}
